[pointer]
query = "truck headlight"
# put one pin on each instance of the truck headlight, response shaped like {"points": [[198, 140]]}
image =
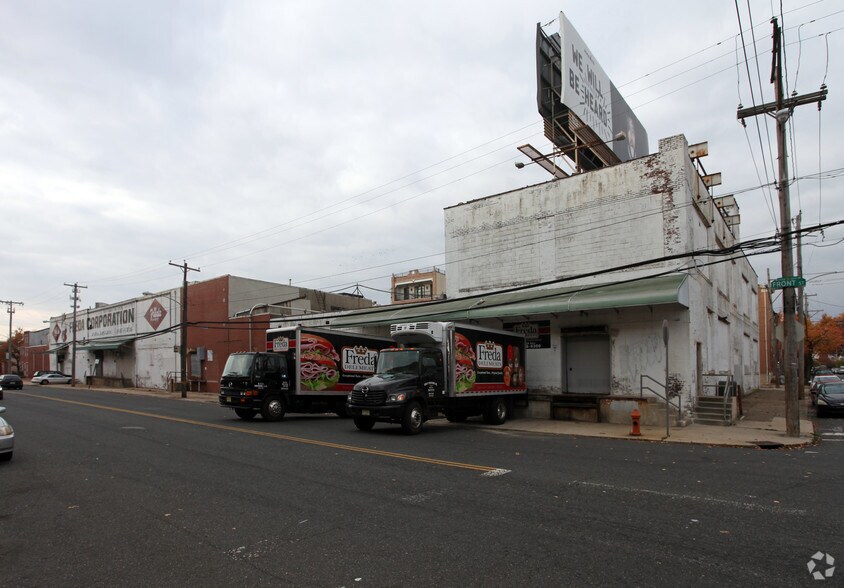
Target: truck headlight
{"points": [[349, 397], [397, 397]]}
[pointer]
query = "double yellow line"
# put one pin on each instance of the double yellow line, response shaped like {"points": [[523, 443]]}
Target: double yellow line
{"points": [[486, 470]]}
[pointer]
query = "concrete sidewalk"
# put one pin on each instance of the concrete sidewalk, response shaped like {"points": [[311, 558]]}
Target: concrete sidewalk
{"points": [[767, 432], [743, 434]]}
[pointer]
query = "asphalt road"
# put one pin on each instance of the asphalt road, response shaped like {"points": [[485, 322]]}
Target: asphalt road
{"points": [[109, 489]]}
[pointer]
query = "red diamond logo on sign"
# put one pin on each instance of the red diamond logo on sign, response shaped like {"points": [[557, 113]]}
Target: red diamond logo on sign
{"points": [[57, 332], [155, 315]]}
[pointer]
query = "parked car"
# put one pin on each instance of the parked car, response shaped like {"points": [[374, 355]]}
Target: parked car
{"points": [[7, 438], [44, 373], [830, 398], [52, 378], [10, 382], [817, 381]]}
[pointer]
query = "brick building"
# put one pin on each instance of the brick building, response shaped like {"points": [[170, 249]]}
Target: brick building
{"points": [[137, 342]]}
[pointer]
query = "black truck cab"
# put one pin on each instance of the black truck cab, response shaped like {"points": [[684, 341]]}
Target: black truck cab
{"points": [[256, 382], [408, 388]]}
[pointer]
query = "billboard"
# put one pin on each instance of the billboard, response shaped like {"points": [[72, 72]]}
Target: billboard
{"points": [[574, 91], [586, 87]]}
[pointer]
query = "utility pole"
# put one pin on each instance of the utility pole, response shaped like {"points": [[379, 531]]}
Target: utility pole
{"points": [[801, 317], [11, 311], [184, 336], [781, 109], [75, 299]]}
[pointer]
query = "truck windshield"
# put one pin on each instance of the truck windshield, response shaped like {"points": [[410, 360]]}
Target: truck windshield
{"points": [[398, 362], [238, 365]]}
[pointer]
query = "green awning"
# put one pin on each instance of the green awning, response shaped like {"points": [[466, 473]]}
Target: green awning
{"points": [[645, 292], [104, 345], [59, 348]]}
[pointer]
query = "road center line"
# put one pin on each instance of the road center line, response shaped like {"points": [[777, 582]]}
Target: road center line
{"points": [[695, 498], [487, 470]]}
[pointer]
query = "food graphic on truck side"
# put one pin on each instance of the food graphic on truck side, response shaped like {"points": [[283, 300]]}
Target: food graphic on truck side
{"points": [[319, 369], [464, 363]]}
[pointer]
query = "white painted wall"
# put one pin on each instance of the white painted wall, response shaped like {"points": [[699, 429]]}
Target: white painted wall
{"points": [[644, 209]]}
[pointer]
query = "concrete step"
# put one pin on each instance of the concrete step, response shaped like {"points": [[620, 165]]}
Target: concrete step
{"points": [[711, 401], [710, 410]]}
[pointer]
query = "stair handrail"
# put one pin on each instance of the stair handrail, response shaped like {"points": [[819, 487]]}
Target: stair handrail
{"points": [[660, 394], [728, 390]]}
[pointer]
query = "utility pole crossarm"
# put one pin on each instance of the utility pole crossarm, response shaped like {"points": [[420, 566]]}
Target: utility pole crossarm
{"points": [[789, 103]]}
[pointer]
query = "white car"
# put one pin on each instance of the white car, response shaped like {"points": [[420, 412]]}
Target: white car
{"points": [[52, 378], [7, 438]]}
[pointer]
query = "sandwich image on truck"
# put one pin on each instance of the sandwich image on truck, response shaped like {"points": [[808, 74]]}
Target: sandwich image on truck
{"points": [[303, 370], [442, 369]]}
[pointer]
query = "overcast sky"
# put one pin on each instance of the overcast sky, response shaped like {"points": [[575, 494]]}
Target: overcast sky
{"points": [[318, 142]]}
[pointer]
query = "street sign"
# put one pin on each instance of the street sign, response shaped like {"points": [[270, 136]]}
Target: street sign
{"points": [[789, 282], [799, 331]]}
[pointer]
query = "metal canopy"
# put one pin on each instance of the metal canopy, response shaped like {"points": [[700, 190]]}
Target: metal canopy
{"points": [[649, 291], [105, 345]]}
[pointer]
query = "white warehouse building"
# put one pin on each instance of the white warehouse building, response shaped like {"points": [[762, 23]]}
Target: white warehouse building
{"points": [[587, 240]]}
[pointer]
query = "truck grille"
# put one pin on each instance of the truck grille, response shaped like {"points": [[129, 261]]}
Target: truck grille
{"points": [[367, 397]]}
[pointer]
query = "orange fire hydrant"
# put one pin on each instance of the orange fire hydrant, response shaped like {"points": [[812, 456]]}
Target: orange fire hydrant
{"points": [[636, 417]]}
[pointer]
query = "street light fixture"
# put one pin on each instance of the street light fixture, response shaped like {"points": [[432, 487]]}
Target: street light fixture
{"points": [[546, 161]]}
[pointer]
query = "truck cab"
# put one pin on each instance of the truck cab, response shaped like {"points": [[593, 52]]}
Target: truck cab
{"points": [[255, 382], [408, 388]]}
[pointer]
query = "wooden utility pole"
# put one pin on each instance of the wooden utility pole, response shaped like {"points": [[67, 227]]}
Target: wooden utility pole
{"points": [[11, 311], [184, 335], [781, 109], [801, 317], [75, 299]]}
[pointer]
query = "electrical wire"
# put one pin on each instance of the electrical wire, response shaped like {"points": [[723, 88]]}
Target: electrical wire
{"points": [[155, 268]]}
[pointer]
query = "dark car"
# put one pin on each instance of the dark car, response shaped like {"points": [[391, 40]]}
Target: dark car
{"points": [[10, 382], [819, 381], [830, 398]]}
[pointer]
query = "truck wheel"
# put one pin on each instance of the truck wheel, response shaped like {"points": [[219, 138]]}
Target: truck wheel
{"points": [[245, 413], [364, 423], [411, 422], [495, 411], [456, 417], [273, 409]]}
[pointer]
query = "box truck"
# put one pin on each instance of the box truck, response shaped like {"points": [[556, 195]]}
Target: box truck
{"points": [[303, 370], [442, 369]]}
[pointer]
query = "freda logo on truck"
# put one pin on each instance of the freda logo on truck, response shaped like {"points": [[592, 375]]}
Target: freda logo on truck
{"points": [[490, 355], [359, 359]]}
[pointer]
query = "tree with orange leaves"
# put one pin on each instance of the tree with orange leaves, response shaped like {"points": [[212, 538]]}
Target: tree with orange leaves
{"points": [[825, 338]]}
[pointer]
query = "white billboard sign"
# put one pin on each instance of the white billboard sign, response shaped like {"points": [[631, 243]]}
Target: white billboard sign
{"points": [[585, 87], [110, 321]]}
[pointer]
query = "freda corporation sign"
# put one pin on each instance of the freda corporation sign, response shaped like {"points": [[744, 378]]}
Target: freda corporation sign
{"points": [[107, 322]]}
